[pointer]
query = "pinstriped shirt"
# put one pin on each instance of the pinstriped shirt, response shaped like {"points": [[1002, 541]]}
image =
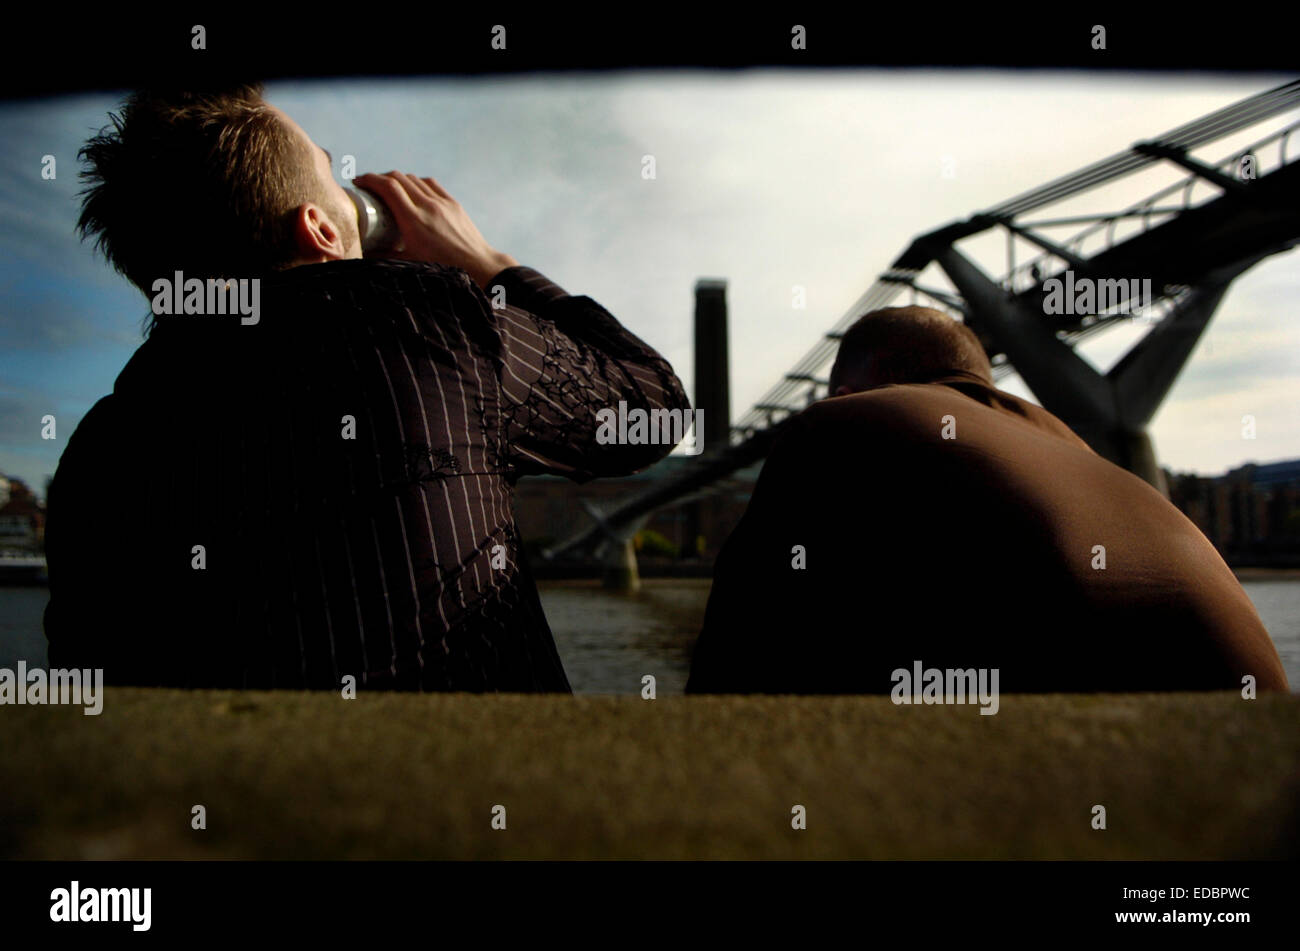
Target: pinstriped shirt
{"points": [[327, 493]]}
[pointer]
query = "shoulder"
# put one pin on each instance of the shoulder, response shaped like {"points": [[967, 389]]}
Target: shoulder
{"points": [[897, 409], [96, 436], [362, 277], [884, 407], [404, 297]]}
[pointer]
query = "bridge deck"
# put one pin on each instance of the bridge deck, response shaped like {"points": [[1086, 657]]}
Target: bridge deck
{"points": [[1218, 232]]}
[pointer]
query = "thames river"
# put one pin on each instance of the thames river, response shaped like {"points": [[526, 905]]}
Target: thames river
{"points": [[610, 642]]}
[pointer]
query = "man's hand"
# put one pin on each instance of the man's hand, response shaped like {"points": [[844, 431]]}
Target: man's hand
{"points": [[434, 227]]}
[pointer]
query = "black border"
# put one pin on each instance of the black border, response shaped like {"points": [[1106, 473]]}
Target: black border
{"points": [[49, 54]]}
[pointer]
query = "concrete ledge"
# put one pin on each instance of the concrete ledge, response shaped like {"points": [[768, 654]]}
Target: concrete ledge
{"points": [[298, 776]]}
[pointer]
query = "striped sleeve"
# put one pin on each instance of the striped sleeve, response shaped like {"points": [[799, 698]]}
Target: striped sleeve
{"points": [[563, 360]]}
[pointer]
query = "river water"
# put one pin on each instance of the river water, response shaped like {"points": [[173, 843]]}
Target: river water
{"points": [[610, 642]]}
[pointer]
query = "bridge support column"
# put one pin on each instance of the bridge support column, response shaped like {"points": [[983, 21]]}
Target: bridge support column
{"points": [[1109, 411], [619, 570], [617, 552]]}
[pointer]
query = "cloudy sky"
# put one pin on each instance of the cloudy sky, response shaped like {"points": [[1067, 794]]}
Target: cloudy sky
{"points": [[766, 178]]}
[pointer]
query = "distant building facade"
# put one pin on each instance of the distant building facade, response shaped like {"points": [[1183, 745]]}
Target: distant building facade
{"points": [[22, 518], [1251, 514]]}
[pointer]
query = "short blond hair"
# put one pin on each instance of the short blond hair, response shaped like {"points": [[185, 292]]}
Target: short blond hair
{"points": [[201, 182], [907, 345]]}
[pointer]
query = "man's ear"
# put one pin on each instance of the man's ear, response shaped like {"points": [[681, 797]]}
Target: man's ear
{"points": [[843, 390], [317, 237]]}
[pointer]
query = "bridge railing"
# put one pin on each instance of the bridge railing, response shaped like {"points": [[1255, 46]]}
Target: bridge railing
{"points": [[1022, 277]]}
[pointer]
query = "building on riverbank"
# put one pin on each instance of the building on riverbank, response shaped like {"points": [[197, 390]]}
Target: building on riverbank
{"points": [[22, 518], [1251, 513]]}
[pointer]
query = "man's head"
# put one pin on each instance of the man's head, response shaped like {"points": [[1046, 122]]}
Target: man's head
{"points": [[214, 184], [905, 345]]}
